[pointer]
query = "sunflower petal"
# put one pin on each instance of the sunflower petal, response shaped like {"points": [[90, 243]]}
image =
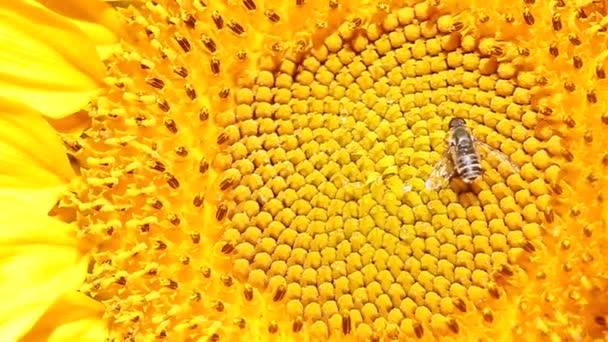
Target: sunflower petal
{"points": [[73, 317], [45, 60], [93, 17], [39, 261], [31, 155]]}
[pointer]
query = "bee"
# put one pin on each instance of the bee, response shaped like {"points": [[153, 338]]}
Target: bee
{"points": [[463, 157]]}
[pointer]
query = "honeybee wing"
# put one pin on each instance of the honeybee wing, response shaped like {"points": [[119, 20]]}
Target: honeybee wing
{"points": [[488, 152], [442, 171]]}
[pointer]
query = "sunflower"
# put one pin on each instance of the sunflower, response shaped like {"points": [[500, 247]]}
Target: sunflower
{"points": [[256, 170]]}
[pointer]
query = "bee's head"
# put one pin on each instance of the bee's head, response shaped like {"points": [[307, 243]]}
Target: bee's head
{"points": [[457, 122]]}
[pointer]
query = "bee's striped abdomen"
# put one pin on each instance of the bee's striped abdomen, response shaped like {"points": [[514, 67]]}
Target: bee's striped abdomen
{"points": [[465, 157], [468, 166]]}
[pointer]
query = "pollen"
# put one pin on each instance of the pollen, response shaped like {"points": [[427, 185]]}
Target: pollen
{"points": [[260, 171]]}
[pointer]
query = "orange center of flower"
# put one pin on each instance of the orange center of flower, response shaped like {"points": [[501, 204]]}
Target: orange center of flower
{"points": [[230, 191]]}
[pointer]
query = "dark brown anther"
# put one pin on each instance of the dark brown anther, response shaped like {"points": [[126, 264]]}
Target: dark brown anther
{"points": [[218, 306], [190, 21], [249, 4], [560, 3], [240, 322], [209, 43], [567, 155], [241, 55], [226, 280], [558, 190], [227, 183], [528, 17], [356, 22], [544, 110], [483, 18], [529, 2], [580, 13], [573, 38], [206, 271], [333, 4], [153, 271], [297, 325], [549, 215], [190, 91], [203, 165], [599, 72], [198, 200], [577, 62], [505, 269], [74, 145], [110, 231], [156, 204], [569, 121], [553, 49], [556, 20], [227, 248], [171, 125], [600, 320], [224, 92], [183, 43], [172, 284], [163, 105], [418, 330], [174, 220], [488, 316], [185, 260], [181, 71], [144, 228], [160, 245], [235, 27], [453, 325], [346, 324], [588, 231], [278, 47], [217, 19], [569, 86], [496, 51], [460, 304], [155, 82], [181, 151], [591, 97], [215, 65], [592, 177], [457, 26], [214, 337], [248, 292], [523, 51], [272, 16], [171, 180], [279, 293], [493, 290], [195, 238], [203, 114], [273, 327], [588, 137], [149, 33], [528, 247], [222, 138], [374, 337], [605, 118], [158, 166], [509, 18]]}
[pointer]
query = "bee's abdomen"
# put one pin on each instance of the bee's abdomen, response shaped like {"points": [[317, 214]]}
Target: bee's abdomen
{"points": [[468, 167]]}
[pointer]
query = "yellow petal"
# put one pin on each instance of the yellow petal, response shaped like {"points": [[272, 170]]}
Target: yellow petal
{"points": [[45, 60], [93, 17], [33, 163], [73, 317], [39, 261]]}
